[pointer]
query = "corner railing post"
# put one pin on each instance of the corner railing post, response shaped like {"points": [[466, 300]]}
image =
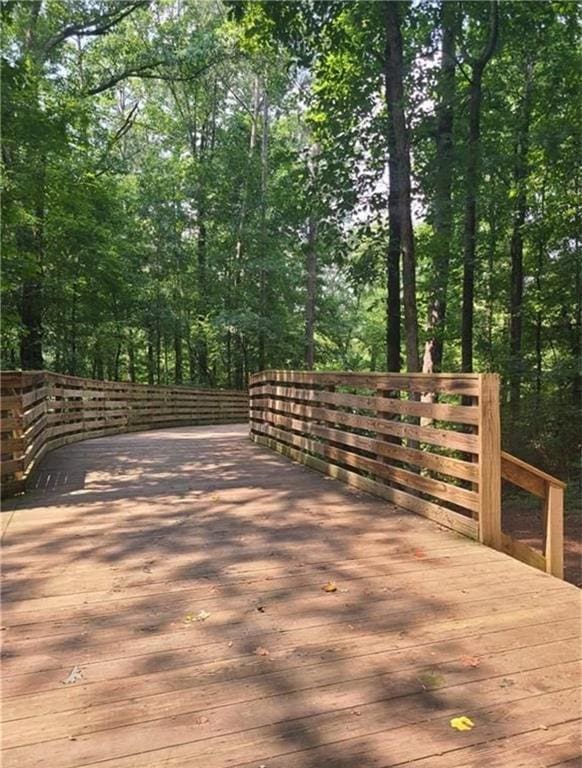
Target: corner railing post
{"points": [[489, 461], [555, 530]]}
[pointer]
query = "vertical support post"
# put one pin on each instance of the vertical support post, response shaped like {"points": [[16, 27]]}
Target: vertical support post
{"points": [[555, 530], [489, 461]]}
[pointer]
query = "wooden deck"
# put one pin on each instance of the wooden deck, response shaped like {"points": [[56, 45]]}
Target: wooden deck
{"points": [[164, 606]]}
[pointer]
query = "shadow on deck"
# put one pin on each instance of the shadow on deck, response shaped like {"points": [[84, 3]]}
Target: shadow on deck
{"points": [[163, 605]]}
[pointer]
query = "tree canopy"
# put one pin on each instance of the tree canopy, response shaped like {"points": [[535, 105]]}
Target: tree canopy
{"points": [[193, 191]]}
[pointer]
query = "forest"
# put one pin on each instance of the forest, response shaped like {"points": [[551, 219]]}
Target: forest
{"points": [[195, 190]]}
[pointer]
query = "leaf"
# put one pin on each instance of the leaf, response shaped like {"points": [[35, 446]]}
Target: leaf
{"points": [[470, 661], [202, 720], [330, 587], [74, 676], [431, 680], [462, 723]]}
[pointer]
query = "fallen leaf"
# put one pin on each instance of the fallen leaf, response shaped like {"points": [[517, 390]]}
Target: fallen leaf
{"points": [[73, 677], [431, 680], [462, 723], [470, 661], [260, 651], [330, 587]]}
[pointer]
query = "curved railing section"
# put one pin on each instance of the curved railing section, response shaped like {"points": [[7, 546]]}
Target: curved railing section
{"points": [[428, 443], [41, 411]]}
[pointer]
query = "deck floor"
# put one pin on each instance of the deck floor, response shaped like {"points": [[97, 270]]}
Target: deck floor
{"points": [[164, 606]]}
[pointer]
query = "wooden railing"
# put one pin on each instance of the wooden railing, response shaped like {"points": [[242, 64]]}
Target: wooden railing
{"points": [[427, 443], [41, 411], [551, 491]]}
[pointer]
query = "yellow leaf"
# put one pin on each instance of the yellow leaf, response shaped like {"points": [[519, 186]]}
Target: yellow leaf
{"points": [[329, 587], [462, 723]]}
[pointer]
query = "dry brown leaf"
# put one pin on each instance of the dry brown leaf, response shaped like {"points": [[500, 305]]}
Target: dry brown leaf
{"points": [[202, 720], [330, 587]]}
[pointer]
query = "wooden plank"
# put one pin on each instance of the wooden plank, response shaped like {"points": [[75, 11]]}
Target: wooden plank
{"points": [[522, 551], [422, 382], [460, 414], [444, 438], [442, 383], [490, 464], [513, 473], [555, 531], [526, 476]]}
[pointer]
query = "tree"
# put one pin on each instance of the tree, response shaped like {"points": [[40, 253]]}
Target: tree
{"points": [[477, 68]]}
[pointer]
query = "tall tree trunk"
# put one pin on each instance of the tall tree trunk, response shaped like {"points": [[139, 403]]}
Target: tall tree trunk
{"points": [[311, 258], [433, 350], [29, 235], [393, 310], [471, 186], [264, 282], [311, 293], [395, 90], [178, 357], [201, 344], [239, 351], [516, 250], [576, 345], [131, 359], [30, 241], [31, 357], [151, 358]]}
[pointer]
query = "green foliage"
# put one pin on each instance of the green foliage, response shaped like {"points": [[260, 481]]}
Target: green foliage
{"points": [[164, 209]]}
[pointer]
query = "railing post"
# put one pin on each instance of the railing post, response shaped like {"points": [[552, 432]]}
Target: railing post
{"points": [[555, 531], [489, 461]]}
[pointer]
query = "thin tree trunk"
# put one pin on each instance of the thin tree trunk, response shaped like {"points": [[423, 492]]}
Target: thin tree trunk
{"points": [[201, 344], [395, 90], [310, 303], [311, 260], [516, 250], [239, 343], [393, 310], [433, 350], [178, 357], [264, 287], [131, 359], [471, 186]]}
